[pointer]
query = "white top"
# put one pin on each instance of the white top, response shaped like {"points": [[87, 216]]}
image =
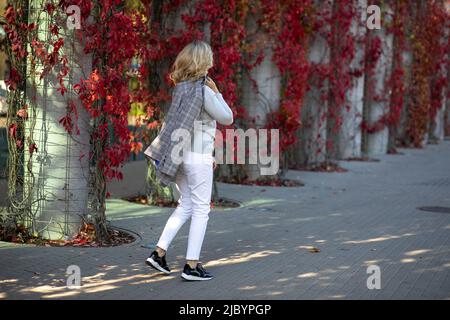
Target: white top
{"points": [[216, 110]]}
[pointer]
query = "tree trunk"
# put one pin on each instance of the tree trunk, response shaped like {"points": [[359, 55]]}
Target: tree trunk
{"points": [[155, 192]]}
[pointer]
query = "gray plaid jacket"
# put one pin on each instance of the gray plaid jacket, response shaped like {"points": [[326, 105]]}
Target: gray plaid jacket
{"points": [[187, 103]]}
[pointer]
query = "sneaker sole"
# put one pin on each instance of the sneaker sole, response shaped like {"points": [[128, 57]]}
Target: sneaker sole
{"points": [[193, 278], [152, 263]]}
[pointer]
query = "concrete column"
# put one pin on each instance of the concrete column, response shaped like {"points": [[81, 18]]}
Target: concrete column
{"points": [[350, 130], [311, 146], [438, 123], [447, 107], [377, 143], [57, 183], [407, 65], [260, 88]]}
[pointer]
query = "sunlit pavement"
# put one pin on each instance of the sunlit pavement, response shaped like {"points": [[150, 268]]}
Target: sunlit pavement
{"points": [[311, 242]]}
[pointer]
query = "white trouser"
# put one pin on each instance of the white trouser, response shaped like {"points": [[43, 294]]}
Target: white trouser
{"points": [[194, 182]]}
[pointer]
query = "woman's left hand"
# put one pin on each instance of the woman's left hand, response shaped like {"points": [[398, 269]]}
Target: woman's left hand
{"points": [[210, 83]]}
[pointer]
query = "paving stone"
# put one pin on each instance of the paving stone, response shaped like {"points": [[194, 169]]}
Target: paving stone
{"points": [[365, 216]]}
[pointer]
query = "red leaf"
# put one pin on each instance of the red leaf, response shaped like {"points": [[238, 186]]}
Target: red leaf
{"points": [[32, 148]]}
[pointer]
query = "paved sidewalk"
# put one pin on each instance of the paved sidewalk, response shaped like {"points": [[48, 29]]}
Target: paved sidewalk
{"points": [[262, 250]]}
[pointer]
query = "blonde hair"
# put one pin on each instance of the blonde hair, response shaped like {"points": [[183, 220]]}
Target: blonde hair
{"points": [[192, 62]]}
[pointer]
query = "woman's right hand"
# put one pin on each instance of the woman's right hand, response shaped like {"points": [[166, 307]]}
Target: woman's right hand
{"points": [[210, 83]]}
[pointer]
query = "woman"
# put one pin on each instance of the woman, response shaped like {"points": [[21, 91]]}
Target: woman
{"points": [[194, 176]]}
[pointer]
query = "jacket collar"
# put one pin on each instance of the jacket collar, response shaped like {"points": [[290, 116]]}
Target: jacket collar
{"points": [[202, 80]]}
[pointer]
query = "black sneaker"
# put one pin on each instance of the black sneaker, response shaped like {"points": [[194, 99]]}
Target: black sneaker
{"points": [[157, 262], [197, 273]]}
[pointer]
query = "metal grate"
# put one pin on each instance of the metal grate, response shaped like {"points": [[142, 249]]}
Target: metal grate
{"points": [[435, 209]]}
